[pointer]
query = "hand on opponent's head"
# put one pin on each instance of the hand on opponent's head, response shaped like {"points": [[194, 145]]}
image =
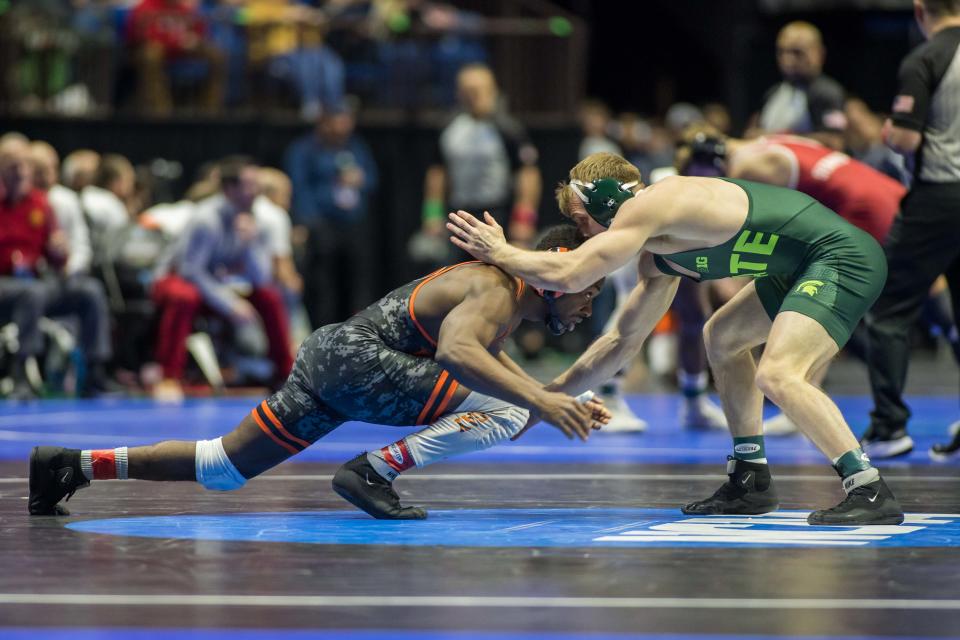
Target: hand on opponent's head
{"points": [[481, 240]]}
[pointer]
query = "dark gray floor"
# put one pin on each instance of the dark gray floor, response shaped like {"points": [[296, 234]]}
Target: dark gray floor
{"points": [[730, 590]]}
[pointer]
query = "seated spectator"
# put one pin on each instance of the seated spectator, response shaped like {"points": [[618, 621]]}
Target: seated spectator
{"points": [[271, 211], [206, 184], [66, 206], [33, 253], [105, 200], [79, 169], [289, 38], [168, 39], [38, 47], [219, 257], [334, 177]]}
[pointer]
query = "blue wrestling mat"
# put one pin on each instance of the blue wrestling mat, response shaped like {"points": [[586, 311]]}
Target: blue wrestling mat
{"points": [[537, 528], [110, 423]]}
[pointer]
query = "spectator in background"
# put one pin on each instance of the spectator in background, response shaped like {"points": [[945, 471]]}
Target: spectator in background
{"points": [[79, 169], [30, 238], [645, 146], [334, 176], [595, 125], [33, 252], [168, 38], [66, 206], [219, 256], [807, 101], [105, 199], [288, 38], [718, 117], [484, 162], [678, 117], [865, 142], [96, 61], [271, 211]]}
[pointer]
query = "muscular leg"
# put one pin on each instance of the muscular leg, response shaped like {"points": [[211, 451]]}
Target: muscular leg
{"points": [[799, 348], [478, 423], [781, 424], [248, 448], [281, 426], [730, 335]]}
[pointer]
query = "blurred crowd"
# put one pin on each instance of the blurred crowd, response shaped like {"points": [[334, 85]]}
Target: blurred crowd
{"points": [[100, 281], [78, 57]]}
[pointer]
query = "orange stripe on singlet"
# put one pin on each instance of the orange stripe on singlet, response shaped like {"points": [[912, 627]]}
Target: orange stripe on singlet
{"points": [[520, 286], [454, 385], [446, 400], [279, 425], [433, 396], [263, 427], [416, 290]]}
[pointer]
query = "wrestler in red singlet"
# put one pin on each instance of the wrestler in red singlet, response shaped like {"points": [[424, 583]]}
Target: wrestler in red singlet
{"points": [[861, 194]]}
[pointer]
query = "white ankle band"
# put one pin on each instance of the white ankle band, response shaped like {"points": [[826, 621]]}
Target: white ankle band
{"points": [[860, 478]]}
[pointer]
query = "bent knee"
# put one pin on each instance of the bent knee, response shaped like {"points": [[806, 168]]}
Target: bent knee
{"points": [[775, 379], [493, 427], [721, 340], [215, 471]]}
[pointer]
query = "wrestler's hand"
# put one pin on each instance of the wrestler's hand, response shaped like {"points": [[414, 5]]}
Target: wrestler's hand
{"points": [[482, 241], [566, 413], [599, 413]]}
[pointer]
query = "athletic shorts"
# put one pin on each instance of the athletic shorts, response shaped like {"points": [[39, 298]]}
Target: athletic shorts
{"points": [[346, 372], [836, 286]]}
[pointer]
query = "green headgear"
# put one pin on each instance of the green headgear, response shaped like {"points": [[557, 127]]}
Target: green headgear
{"points": [[602, 198]]}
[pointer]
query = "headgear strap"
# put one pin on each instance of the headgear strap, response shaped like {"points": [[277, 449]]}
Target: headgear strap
{"points": [[552, 320], [602, 198]]}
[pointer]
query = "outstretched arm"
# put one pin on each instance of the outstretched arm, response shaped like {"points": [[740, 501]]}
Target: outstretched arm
{"points": [[508, 362], [648, 214], [611, 351], [567, 271], [461, 348]]}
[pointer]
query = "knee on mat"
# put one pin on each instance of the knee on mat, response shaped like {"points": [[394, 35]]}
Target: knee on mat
{"points": [[215, 471]]}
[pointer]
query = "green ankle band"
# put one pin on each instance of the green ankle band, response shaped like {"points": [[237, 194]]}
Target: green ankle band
{"points": [[749, 448], [853, 461]]}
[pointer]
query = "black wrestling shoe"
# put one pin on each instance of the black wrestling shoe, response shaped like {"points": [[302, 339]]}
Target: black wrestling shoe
{"points": [[359, 484], [54, 474], [946, 451], [880, 445], [749, 491], [872, 503]]}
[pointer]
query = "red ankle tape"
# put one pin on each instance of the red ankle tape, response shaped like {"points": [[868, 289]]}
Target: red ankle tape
{"points": [[398, 456], [104, 464]]}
